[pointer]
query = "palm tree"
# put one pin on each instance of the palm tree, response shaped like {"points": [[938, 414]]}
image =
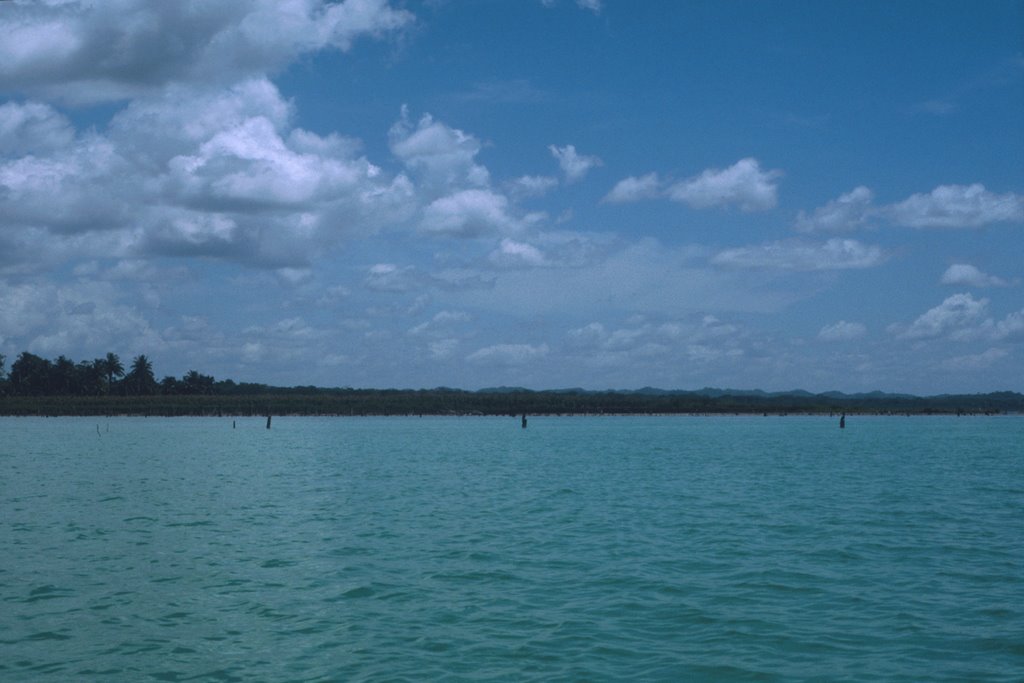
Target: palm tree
{"points": [[140, 378], [112, 366], [63, 375], [197, 383]]}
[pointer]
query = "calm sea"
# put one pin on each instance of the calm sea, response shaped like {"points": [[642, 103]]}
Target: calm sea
{"points": [[583, 548]]}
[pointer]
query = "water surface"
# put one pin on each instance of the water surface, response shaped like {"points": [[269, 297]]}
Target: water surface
{"points": [[643, 548]]}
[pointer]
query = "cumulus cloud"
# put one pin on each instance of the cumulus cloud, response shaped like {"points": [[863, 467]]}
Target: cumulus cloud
{"points": [[849, 212], [469, 213], [955, 312], [85, 185], [966, 274], [531, 185], [835, 254], [196, 234], [743, 184], [842, 331], [702, 341], [1010, 328], [219, 174], [508, 354], [957, 206], [32, 128], [442, 157], [634, 189], [389, 277], [511, 253], [963, 318], [159, 126], [250, 165], [50, 319], [572, 163], [94, 51]]}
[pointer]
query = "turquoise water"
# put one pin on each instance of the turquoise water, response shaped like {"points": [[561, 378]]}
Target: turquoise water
{"points": [[604, 549]]}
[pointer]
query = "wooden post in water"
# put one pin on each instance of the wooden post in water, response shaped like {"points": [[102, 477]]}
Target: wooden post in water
{"points": [[268, 422], [524, 420]]}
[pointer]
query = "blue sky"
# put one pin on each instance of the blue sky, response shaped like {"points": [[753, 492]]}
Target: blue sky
{"points": [[541, 193]]}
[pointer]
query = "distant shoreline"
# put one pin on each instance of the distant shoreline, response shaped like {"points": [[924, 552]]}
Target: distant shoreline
{"points": [[445, 402]]}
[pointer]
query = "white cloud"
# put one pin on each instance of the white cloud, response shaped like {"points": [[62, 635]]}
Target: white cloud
{"points": [[49, 319], [966, 274], [849, 212], [835, 254], [702, 340], [32, 128], [84, 186], [442, 157], [469, 213], [842, 331], [511, 253], [634, 189], [251, 165], [531, 185], [508, 354], [175, 120], [93, 51], [573, 164], [1010, 327], [743, 184], [189, 172], [195, 233], [956, 312], [388, 277], [957, 206]]}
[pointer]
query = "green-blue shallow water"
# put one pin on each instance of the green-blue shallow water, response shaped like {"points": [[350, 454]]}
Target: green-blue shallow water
{"points": [[603, 549]]}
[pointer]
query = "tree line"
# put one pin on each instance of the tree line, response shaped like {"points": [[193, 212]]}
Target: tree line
{"points": [[103, 386], [32, 375]]}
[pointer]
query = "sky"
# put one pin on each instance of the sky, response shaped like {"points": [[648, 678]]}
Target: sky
{"points": [[537, 193]]}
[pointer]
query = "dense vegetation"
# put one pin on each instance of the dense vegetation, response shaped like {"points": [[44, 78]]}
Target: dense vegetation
{"points": [[38, 386]]}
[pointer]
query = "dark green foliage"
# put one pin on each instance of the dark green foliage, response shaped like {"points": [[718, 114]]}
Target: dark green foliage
{"points": [[140, 380], [37, 386], [31, 375], [195, 383], [112, 366]]}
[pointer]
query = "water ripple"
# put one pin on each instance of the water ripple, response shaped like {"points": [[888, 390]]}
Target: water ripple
{"points": [[727, 549]]}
